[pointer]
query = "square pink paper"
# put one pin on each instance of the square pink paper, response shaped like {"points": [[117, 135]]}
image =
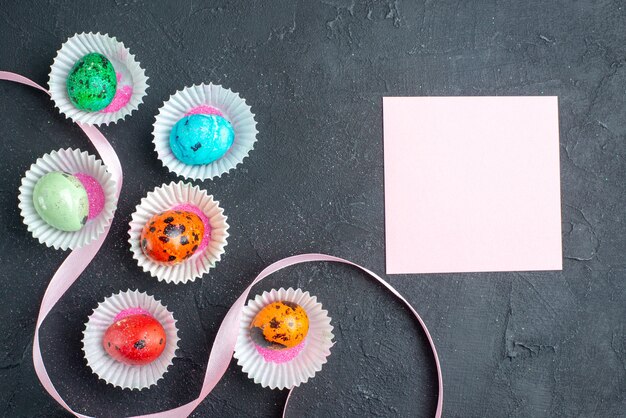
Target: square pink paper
{"points": [[472, 184]]}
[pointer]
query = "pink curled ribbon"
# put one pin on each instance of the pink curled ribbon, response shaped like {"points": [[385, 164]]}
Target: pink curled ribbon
{"points": [[79, 259], [224, 344]]}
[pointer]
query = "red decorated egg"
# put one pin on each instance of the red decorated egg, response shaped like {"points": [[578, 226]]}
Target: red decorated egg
{"points": [[280, 325], [172, 237], [135, 339]]}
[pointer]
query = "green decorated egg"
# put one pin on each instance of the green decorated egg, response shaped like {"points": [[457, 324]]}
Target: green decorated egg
{"points": [[91, 83], [61, 200]]}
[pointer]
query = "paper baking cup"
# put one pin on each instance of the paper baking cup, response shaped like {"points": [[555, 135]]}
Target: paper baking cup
{"points": [[304, 366], [126, 67], [168, 197], [117, 373], [71, 161], [233, 107]]}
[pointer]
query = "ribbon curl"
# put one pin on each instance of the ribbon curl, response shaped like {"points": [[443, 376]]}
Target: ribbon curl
{"points": [[79, 259], [224, 344]]}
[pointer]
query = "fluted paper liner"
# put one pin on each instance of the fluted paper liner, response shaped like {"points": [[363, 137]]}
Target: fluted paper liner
{"points": [[233, 107], [123, 62], [304, 366], [117, 373], [71, 161], [165, 198]]}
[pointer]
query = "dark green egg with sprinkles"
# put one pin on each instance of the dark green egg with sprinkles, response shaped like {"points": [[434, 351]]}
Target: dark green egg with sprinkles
{"points": [[92, 83]]}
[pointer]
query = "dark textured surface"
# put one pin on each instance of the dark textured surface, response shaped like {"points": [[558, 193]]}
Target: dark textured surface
{"points": [[531, 344]]}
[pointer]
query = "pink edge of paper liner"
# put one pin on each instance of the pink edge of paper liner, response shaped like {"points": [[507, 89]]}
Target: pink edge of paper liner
{"points": [[130, 311], [95, 194], [204, 110], [121, 98], [209, 110], [280, 356], [206, 238]]}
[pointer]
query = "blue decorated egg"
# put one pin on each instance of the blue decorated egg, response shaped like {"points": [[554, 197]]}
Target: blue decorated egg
{"points": [[201, 139]]}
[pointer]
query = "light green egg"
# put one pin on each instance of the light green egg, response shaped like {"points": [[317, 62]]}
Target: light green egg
{"points": [[61, 200]]}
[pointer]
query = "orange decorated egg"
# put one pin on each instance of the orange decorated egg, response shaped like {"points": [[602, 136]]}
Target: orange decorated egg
{"points": [[280, 325], [172, 237]]}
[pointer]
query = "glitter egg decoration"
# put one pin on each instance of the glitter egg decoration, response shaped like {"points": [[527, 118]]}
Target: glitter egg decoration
{"points": [[280, 325], [95, 194], [199, 139], [172, 237], [92, 83]]}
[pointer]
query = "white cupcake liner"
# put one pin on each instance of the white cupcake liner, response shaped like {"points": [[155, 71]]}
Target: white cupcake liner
{"points": [[124, 63], [309, 361], [117, 373], [71, 161], [165, 198], [234, 108]]}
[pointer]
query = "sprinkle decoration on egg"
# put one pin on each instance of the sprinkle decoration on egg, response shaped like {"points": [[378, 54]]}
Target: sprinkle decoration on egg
{"points": [[135, 339], [171, 237], [95, 194], [280, 325], [92, 82], [199, 139], [61, 201]]}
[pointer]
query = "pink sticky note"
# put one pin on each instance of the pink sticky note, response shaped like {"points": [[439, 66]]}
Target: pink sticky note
{"points": [[472, 184]]}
